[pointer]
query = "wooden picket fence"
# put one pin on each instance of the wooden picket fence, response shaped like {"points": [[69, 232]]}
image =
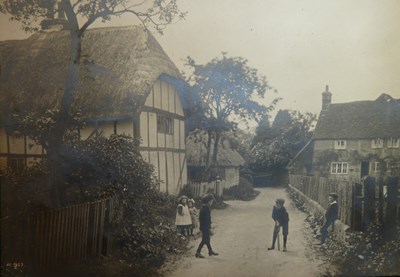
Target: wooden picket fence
{"points": [[36, 242], [198, 189], [360, 204], [318, 189]]}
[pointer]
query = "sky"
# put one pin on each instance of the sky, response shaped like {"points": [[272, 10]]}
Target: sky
{"points": [[300, 46]]}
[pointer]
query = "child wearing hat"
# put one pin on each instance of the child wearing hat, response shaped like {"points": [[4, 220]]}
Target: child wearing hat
{"points": [[331, 214], [205, 226], [183, 219], [281, 218]]}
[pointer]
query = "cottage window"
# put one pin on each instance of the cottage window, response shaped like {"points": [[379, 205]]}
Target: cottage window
{"points": [[376, 167], [165, 124], [393, 143], [339, 168], [16, 164], [377, 143], [340, 144]]}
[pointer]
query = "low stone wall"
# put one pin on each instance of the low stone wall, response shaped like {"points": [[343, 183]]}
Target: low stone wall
{"points": [[317, 210]]}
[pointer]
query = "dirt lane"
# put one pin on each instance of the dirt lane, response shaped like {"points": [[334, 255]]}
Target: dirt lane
{"points": [[242, 233]]}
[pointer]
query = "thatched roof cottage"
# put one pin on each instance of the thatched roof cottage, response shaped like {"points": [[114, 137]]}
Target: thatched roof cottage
{"points": [[228, 164], [127, 85]]}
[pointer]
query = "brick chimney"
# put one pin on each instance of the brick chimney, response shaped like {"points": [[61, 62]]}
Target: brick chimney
{"points": [[326, 98]]}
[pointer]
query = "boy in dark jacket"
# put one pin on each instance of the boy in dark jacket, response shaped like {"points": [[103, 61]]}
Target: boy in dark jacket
{"points": [[205, 226], [332, 213], [281, 218]]}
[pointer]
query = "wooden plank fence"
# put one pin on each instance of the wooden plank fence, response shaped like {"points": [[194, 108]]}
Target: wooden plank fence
{"points": [[36, 242], [360, 204], [198, 189]]}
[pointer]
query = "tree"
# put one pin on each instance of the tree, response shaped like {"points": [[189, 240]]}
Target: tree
{"points": [[79, 16], [224, 91], [274, 146]]}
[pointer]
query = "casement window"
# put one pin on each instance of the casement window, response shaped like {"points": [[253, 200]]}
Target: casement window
{"points": [[339, 168], [393, 143], [377, 143], [165, 124], [16, 164], [375, 166], [340, 144]]}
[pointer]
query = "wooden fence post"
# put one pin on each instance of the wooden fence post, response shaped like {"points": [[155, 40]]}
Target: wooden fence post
{"points": [[392, 199], [381, 200], [369, 201], [357, 207]]}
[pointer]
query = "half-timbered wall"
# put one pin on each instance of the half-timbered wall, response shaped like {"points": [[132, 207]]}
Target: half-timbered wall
{"points": [[17, 151], [162, 131], [162, 134]]}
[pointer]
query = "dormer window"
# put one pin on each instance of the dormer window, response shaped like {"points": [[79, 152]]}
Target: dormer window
{"points": [[377, 143], [340, 144], [393, 143]]}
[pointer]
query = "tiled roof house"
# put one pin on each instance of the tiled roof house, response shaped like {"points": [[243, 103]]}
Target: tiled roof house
{"points": [[355, 139]]}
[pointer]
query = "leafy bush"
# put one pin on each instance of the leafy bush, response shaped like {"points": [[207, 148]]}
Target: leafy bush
{"points": [[243, 191], [375, 252], [100, 167]]}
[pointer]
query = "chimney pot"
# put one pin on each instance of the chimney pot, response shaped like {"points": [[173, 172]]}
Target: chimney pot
{"points": [[326, 98]]}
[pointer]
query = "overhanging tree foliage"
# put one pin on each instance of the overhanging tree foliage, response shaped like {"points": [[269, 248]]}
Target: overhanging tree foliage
{"points": [[224, 92], [274, 146], [79, 16]]}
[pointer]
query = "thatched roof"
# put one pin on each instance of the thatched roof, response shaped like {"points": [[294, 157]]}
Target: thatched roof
{"points": [[118, 70], [196, 152], [360, 120]]}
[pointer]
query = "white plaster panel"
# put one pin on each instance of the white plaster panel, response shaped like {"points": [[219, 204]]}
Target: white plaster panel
{"points": [[125, 127], [178, 104], [157, 94], [3, 141], [163, 184], [184, 172], [144, 129], [171, 173], [149, 99], [164, 96], [86, 131], [182, 134], [161, 139], [3, 164], [176, 133], [154, 162], [153, 129], [32, 147], [177, 169], [16, 145], [171, 98], [145, 156], [170, 141], [107, 128]]}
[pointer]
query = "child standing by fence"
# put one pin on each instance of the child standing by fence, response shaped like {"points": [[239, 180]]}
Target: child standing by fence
{"points": [[193, 215]]}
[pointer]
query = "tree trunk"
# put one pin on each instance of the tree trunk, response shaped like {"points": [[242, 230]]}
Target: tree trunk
{"points": [[56, 145], [209, 133], [216, 145]]}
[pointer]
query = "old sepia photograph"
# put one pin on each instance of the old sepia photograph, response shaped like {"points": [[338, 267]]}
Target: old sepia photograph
{"points": [[177, 138]]}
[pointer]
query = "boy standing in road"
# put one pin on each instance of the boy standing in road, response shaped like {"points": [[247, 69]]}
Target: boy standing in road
{"points": [[205, 226], [281, 218], [332, 213]]}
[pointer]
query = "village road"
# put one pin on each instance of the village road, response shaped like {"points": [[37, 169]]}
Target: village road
{"points": [[242, 233]]}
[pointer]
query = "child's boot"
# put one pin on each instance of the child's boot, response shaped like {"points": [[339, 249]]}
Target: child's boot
{"points": [[198, 255]]}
